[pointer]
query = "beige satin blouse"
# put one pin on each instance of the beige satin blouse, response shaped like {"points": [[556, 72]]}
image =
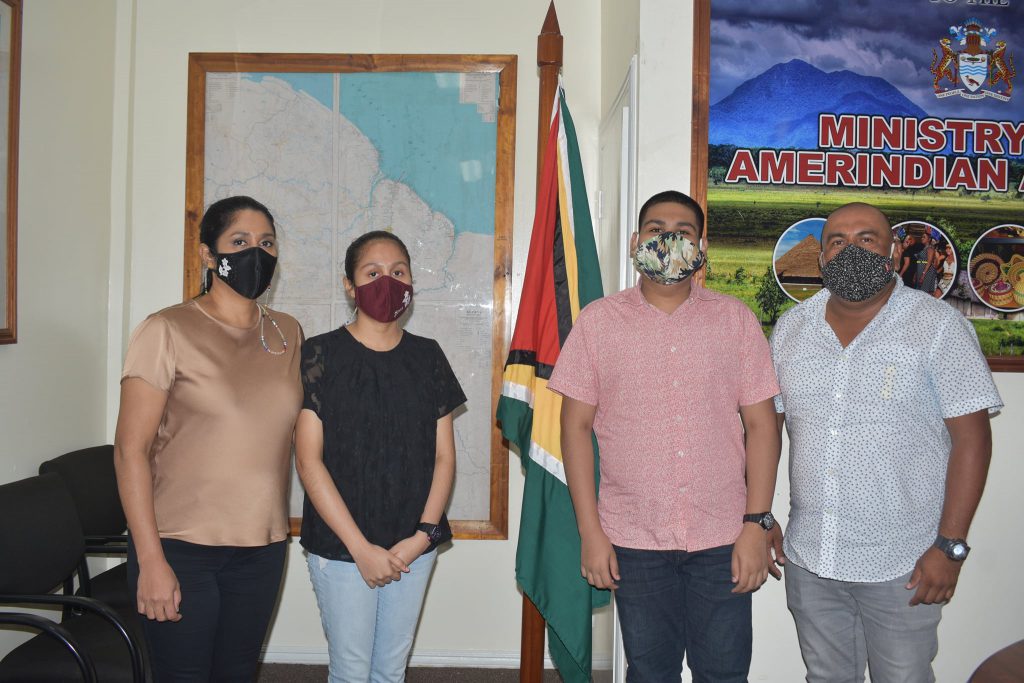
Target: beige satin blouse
{"points": [[221, 457]]}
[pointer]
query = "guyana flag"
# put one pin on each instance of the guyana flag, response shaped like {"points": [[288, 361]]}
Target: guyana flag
{"points": [[562, 276]]}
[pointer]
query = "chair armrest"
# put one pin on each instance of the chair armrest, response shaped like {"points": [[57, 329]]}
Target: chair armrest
{"points": [[102, 549], [57, 631], [95, 606], [118, 539]]}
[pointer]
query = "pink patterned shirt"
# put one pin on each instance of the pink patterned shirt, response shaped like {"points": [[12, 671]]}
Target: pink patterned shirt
{"points": [[668, 390]]}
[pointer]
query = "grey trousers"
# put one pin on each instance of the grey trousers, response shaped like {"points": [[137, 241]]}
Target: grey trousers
{"points": [[844, 626]]}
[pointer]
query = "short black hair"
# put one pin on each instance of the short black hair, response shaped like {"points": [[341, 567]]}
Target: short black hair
{"points": [[355, 250], [674, 197]]}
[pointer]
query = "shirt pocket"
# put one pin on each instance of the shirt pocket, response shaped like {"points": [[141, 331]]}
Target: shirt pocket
{"points": [[889, 379]]}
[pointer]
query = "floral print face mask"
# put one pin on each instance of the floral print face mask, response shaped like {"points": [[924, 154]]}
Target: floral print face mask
{"points": [[667, 258]]}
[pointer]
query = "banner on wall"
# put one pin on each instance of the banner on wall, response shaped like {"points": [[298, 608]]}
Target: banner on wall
{"points": [[913, 106]]}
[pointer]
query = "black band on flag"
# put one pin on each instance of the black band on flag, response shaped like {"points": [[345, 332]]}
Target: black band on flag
{"points": [[562, 306], [517, 357]]}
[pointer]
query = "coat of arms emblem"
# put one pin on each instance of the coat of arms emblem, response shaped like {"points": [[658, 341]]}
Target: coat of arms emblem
{"points": [[980, 68]]}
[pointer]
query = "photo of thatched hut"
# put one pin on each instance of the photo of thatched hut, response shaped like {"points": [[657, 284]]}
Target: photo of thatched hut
{"points": [[795, 259]]}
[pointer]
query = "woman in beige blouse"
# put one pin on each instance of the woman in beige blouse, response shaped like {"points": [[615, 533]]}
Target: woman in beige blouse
{"points": [[209, 396]]}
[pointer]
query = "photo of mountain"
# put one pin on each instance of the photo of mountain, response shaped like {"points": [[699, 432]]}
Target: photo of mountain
{"points": [[779, 108], [776, 68]]}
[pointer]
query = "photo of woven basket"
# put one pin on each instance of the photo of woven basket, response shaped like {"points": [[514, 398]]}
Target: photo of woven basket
{"points": [[987, 267]]}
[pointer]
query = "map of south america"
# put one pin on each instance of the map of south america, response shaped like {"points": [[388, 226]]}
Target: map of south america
{"points": [[336, 155]]}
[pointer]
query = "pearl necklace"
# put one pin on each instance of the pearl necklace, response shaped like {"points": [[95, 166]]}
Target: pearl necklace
{"points": [[263, 340]]}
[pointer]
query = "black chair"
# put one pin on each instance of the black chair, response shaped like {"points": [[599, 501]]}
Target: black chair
{"points": [[41, 544], [90, 477]]}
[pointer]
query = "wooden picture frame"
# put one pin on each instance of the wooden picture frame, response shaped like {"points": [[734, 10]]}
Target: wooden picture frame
{"points": [[495, 525], [10, 88], [702, 65]]}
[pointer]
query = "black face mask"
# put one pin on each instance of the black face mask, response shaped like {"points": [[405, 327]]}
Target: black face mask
{"points": [[856, 274], [248, 272]]}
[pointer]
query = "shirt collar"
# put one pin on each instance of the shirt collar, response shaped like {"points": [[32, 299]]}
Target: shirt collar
{"points": [[898, 292], [634, 296]]}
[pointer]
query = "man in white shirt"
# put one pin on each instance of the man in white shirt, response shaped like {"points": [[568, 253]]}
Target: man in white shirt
{"points": [[880, 507]]}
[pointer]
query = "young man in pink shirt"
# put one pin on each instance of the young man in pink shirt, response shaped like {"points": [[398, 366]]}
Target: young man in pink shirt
{"points": [[676, 382]]}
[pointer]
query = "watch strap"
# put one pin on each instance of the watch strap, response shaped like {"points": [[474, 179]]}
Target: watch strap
{"points": [[433, 531], [763, 519]]}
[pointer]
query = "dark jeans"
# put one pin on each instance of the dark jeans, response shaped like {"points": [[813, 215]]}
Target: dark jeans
{"points": [[673, 602], [227, 597]]}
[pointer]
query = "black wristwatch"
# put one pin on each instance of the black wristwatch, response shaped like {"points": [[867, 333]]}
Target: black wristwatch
{"points": [[765, 520], [956, 549], [433, 531]]}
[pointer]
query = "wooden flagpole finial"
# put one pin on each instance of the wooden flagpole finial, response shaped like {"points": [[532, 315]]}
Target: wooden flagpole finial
{"points": [[549, 42], [549, 64]]}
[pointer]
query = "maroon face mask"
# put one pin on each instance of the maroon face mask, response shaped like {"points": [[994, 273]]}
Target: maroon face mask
{"points": [[384, 299]]}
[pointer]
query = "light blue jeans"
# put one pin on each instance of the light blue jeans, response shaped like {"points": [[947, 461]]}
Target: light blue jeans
{"points": [[369, 630], [844, 626]]}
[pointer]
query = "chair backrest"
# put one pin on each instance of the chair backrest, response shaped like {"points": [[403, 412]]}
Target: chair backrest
{"points": [[41, 540], [90, 477]]}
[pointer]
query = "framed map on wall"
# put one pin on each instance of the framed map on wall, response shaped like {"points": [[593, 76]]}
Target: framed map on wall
{"points": [[338, 145]]}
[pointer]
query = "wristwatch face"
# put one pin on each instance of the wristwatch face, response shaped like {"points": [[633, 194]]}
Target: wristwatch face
{"points": [[958, 551], [768, 521]]}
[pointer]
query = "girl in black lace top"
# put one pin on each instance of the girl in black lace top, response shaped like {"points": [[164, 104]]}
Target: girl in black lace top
{"points": [[375, 450]]}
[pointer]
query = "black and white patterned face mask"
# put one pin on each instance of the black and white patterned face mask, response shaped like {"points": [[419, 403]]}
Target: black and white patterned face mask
{"points": [[856, 274]]}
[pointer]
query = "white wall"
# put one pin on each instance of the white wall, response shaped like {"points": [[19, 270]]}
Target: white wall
{"points": [[666, 86], [53, 380], [473, 606], [620, 40]]}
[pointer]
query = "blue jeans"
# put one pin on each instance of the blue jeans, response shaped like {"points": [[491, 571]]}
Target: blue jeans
{"points": [[844, 626], [673, 602], [369, 630]]}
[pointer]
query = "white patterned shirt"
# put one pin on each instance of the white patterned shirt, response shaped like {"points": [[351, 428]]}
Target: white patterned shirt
{"points": [[868, 445]]}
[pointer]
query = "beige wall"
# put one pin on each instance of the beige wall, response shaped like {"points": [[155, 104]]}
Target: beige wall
{"points": [[665, 86], [620, 40], [102, 190], [53, 380]]}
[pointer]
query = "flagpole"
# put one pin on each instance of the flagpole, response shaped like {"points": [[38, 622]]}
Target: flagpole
{"points": [[549, 64]]}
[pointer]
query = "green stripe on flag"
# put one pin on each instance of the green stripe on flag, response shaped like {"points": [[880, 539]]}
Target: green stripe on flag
{"points": [[589, 269]]}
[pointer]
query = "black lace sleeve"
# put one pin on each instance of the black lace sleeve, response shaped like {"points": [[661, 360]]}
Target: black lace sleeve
{"points": [[312, 370], [449, 392]]}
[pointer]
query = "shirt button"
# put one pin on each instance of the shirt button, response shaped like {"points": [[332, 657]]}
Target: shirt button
{"points": [[831, 472], [673, 349], [679, 418], [676, 384], [832, 432], [679, 453], [839, 394], [682, 489]]}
